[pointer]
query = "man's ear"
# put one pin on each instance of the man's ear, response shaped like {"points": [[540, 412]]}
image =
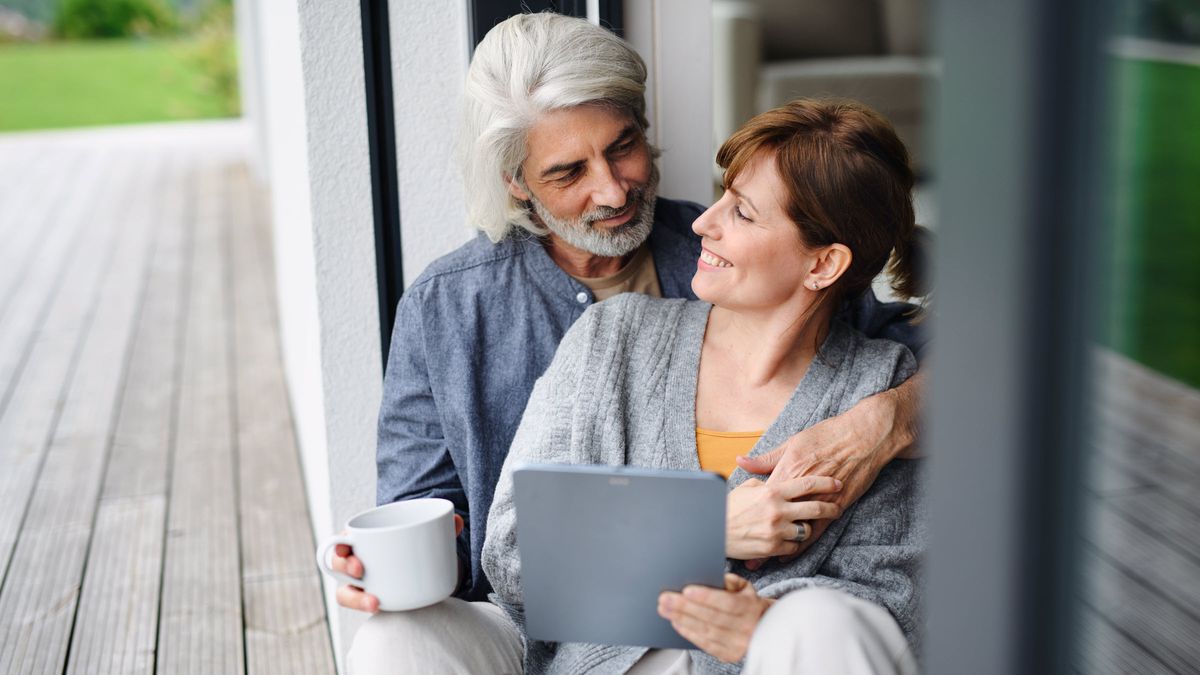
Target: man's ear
{"points": [[831, 263], [515, 189]]}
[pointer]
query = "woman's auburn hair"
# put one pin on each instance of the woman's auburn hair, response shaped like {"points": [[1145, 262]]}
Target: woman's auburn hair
{"points": [[847, 180]]}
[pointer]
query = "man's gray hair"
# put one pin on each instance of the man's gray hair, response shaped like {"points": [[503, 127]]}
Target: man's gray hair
{"points": [[526, 66]]}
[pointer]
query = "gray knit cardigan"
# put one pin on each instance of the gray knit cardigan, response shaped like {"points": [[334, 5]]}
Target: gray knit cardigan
{"points": [[621, 390]]}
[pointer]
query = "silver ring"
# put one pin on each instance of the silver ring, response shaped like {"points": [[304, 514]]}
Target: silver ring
{"points": [[801, 532]]}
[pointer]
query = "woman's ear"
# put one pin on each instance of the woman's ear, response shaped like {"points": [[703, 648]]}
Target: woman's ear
{"points": [[831, 263], [515, 189]]}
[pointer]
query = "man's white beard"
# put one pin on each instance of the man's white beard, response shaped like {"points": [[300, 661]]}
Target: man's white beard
{"points": [[582, 233]]}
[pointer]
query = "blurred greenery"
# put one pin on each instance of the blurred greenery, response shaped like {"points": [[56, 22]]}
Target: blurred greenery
{"points": [[215, 54], [80, 83], [114, 18], [1155, 317]]}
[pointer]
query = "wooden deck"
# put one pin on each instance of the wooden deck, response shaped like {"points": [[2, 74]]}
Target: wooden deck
{"points": [[152, 509], [1141, 597]]}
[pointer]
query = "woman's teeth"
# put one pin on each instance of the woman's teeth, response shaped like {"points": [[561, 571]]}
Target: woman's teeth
{"points": [[714, 260]]}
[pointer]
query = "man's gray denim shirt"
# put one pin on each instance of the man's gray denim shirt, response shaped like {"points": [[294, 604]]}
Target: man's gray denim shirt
{"points": [[472, 335]]}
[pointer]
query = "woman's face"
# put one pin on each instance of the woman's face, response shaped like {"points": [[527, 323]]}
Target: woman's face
{"points": [[752, 256]]}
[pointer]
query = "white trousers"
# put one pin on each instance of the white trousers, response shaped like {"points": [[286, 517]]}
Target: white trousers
{"points": [[451, 637], [815, 630]]}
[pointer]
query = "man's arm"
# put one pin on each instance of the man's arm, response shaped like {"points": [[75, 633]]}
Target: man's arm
{"points": [[852, 447], [412, 459]]}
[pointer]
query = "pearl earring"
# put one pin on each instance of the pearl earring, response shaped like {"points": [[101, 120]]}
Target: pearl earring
{"points": [[816, 286]]}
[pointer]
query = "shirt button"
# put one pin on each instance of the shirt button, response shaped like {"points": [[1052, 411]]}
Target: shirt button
{"points": [[581, 297]]}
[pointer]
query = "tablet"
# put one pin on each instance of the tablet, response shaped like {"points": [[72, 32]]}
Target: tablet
{"points": [[599, 543]]}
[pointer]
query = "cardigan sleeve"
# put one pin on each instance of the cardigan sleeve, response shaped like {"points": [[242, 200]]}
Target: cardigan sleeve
{"points": [[543, 437]]}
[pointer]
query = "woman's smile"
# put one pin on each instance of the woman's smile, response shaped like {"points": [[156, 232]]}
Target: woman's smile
{"points": [[710, 259]]}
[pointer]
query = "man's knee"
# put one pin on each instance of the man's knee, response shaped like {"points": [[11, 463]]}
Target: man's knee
{"points": [[380, 643], [451, 636]]}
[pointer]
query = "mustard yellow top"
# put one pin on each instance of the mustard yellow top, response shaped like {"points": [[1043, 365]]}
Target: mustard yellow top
{"points": [[718, 449]]}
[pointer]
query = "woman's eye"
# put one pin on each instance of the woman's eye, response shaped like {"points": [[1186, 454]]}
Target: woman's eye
{"points": [[738, 211]]}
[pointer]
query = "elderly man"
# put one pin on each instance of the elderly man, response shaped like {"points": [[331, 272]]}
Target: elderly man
{"points": [[561, 180]]}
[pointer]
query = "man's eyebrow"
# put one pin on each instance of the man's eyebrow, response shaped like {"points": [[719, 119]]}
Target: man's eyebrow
{"points": [[563, 167], [626, 134], [744, 198]]}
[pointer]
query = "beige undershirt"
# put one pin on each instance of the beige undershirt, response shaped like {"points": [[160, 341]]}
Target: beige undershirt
{"points": [[638, 275]]}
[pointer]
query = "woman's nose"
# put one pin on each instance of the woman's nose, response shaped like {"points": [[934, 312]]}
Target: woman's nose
{"points": [[706, 225]]}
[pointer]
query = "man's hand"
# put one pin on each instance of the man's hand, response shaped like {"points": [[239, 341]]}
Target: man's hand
{"points": [[354, 597], [853, 447], [719, 622], [766, 519]]}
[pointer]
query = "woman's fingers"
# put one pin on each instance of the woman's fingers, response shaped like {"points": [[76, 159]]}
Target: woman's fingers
{"points": [[734, 583], [807, 485], [682, 605], [718, 621]]}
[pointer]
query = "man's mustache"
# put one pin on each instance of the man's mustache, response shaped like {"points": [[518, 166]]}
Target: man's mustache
{"points": [[633, 200]]}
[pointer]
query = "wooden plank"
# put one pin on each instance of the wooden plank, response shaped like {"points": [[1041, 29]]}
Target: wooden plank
{"points": [[1138, 553], [1169, 508], [1148, 404], [1105, 475], [1163, 517], [1105, 650], [117, 622], [200, 626], [29, 217], [41, 588], [1156, 625], [24, 166], [27, 422], [28, 296], [286, 628]]}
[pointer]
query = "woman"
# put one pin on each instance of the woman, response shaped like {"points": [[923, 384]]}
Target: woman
{"points": [[817, 200]]}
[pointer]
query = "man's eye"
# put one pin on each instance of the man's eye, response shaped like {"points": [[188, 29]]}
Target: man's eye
{"points": [[568, 176], [624, 148]]}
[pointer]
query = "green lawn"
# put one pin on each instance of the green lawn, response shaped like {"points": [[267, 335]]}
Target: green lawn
{"points": [[1155, 317], [70, 84]]}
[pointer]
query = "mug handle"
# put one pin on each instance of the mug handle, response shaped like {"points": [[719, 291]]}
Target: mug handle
{"points": [[323, 550]]}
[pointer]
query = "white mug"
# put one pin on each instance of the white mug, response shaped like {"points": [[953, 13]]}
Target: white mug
{"points": [[407, 550]]}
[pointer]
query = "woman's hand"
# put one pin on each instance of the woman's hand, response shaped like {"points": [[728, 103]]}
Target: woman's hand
{"points": [[764, 519], [719, 622]]}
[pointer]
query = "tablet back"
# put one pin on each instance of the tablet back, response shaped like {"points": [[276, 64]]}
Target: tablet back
{"points": [[599, 543]]}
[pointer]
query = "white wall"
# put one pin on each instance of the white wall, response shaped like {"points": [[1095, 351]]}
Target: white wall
{"points": [[675, 39], [344, 256], [311, 117], [429, 64]]}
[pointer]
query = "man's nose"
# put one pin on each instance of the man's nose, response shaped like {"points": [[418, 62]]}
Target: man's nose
{"points": [[609, 189]]}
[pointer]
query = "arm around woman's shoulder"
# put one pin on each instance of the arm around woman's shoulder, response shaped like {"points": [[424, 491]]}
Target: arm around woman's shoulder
{"points": [[878, 553]]}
